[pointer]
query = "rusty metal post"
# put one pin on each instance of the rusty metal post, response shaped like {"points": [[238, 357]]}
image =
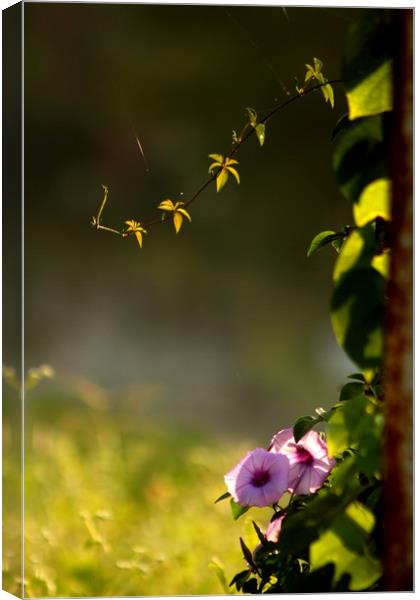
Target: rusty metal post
{"points": [[398, 367]]}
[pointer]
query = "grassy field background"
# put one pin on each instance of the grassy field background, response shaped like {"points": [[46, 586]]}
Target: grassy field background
{"points": [[118, 506]]}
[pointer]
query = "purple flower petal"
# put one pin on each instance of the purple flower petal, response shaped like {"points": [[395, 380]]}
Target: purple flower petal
{"points": [[260, 479]]}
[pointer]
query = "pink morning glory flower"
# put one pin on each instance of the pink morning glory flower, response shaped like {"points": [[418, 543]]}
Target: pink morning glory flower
{"points": [[308, 458], [260, 479]]}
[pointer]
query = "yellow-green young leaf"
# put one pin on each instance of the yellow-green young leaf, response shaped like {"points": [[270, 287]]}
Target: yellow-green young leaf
{"points": [[178, 218], [260, 131], [309, 74], [139, 238], [373, 94], [234, 173], [252, 116], [166, 205], [185, 213], [374, 202], [221, 179], [318, 65], [381, 263], [367, 70], [328, 94], [217, 157], [213, 166]]}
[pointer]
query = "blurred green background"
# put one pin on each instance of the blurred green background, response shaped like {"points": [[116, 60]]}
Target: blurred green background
{"points": [[170, 361]]}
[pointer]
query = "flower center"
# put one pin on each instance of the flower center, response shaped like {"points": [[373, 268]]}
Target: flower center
{"points": [[260, 478], [303, 455]]}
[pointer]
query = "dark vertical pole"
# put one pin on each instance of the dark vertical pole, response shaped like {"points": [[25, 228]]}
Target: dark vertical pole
{"points": [[398, 443]]}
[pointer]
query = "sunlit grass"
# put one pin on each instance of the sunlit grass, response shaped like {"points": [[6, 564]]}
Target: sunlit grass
{"points": [[115, 506]]}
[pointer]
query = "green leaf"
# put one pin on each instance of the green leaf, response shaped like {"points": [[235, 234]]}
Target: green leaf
{"points": [[357, 251], [237, 509], [357, 311], [222, 497], [260, 131], [374, 202], [367, 65], [350, 390], [322, 239], [303, 425], [359, 156], [357, 424], [336, 244], [304, 526], [357, 376], [240, 578], [352, 529], [340, 126]]}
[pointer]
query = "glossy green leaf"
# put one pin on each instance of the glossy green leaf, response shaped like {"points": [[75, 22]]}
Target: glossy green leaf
{"points": [[374, 202], [358, 376], [357, 251], [303, 425], [367, 65], [359, 156], [357, 312], [350, 390], [345, 545], [322, 239]]}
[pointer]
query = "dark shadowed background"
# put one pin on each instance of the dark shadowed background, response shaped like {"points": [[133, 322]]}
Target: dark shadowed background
{"points": [[225, 325]]}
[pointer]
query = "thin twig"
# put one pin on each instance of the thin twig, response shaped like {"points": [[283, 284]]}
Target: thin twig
{"points": [[232, 152]]}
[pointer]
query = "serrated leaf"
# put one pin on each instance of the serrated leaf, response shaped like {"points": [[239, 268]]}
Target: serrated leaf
{"points": [[336, 244], [260, 131], [322, 239]]}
